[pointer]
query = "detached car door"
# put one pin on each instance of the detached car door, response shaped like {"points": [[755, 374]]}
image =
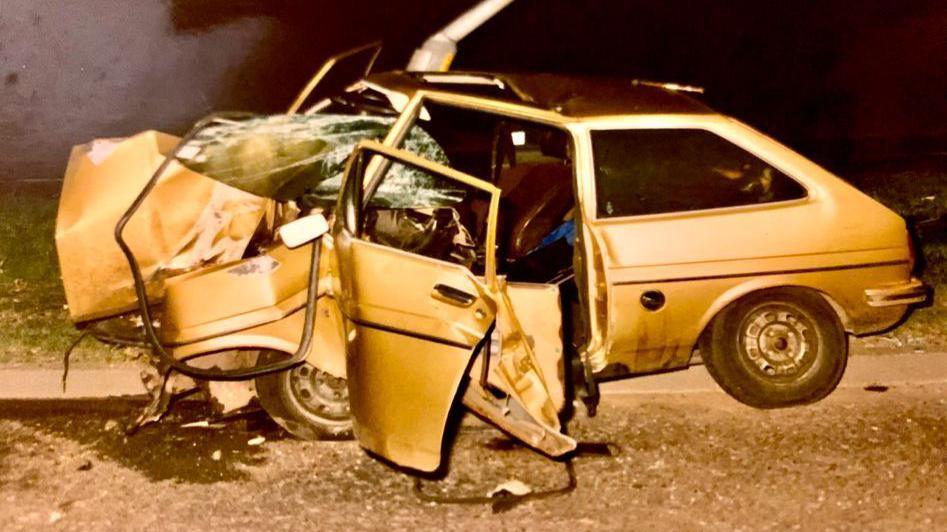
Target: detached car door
{"points": [[420, 298]]}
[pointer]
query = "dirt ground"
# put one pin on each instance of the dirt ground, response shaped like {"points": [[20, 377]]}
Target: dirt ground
{"points": [[858, 460]]}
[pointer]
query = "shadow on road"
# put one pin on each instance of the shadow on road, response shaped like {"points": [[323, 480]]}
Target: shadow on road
{"points": [[164, 451]]}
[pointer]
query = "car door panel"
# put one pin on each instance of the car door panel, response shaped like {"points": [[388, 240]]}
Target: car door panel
{"points": [[527, 411], [408, 350], [537, 308], [399, 289], [413, 325]]}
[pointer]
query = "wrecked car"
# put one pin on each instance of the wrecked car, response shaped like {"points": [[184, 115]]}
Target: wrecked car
{"points": [[503, 242], [612, 229]]}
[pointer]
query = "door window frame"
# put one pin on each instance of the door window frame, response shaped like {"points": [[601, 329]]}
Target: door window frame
{"points": [[414, 110], [354, 198], [376, 168]]}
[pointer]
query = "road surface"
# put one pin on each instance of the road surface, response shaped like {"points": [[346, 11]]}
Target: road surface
{"points": [[859, 460]]}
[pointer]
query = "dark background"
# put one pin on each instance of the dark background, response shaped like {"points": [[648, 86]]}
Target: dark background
{"points": [[846, 83]]}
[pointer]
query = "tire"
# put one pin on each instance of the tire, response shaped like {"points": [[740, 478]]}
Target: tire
{"points": [[776, 348], [306, 401]]}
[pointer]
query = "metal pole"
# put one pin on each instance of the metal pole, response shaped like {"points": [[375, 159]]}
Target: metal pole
{"points": [[437, 52]]}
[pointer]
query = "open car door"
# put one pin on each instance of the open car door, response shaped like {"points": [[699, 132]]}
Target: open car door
{"points": [[420, 299], [337, 73]]}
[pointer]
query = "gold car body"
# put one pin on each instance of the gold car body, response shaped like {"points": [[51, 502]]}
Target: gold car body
{"points": [[406, 349], [837, 241]]}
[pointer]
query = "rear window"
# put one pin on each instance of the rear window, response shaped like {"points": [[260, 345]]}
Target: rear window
{"points": [[652, 171]]}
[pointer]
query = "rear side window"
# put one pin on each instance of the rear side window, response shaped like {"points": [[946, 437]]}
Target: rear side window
{"points": [[651, 171]]}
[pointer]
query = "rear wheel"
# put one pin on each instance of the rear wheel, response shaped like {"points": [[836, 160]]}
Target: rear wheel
{"points": [[306, 401], [776, 348]]}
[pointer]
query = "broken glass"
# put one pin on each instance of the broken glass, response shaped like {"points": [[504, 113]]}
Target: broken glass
{"points": [[436, 233], [292, 157]]}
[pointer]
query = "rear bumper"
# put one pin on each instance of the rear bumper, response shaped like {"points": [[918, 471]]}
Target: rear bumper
{"points": [[913, 291]]}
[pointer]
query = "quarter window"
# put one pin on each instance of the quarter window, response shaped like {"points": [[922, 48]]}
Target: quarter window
{"points": [[651, 171]]}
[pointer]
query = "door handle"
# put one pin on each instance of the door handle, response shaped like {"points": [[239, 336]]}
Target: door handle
{"points": [[454, 296]]}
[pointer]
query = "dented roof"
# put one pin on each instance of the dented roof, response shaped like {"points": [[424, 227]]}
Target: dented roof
{"points": [[569, 96]]}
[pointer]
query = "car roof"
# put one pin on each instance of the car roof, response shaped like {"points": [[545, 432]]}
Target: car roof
{"points": [[569, 96]]}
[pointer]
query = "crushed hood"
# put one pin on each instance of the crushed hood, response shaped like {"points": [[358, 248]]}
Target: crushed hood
{"points": [[208, 204]]}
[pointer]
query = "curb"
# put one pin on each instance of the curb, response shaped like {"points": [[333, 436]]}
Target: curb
{"points": [[884, 370], [82, 383]]}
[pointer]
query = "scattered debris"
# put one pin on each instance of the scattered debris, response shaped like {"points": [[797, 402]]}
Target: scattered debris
{"points": [[658, 464], [85, 466], [204, 424], [894, 340], [215, 456], [55, 517], [110, 425], [510, 487], [257, 441]]}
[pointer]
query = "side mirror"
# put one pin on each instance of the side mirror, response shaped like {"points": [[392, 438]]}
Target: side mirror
{"points": [[303, 230]]}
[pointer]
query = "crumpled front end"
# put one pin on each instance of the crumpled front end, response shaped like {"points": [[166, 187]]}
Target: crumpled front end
{"points": [[210, 201], [187, 221]]}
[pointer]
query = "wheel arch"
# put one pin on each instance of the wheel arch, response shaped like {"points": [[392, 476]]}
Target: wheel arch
{"points": [[324, 355], [743, 290]]}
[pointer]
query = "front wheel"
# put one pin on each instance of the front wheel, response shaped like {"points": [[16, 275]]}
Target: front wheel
{"points": [[776, 348], [306, 401]]}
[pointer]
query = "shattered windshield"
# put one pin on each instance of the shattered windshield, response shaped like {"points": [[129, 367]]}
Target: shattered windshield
{"points": [[289, 157]]}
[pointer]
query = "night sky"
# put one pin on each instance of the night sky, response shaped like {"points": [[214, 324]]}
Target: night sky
{"points": [[848, 84], [840, 81]]}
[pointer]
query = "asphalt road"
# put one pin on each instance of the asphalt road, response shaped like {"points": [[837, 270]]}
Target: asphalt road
{"points": [[866, 460]]}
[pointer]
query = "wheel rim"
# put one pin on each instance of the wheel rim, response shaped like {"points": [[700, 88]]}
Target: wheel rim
{"points": [[319, 394], [778, 342]]}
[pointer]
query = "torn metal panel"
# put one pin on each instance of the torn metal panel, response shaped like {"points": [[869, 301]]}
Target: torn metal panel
{"points": [[539, 312], [188, 220], [227, 397], [287, 157], [514, 419], [259, 302]]}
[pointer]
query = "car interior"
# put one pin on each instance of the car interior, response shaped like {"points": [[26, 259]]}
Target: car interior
{"points": [[532, 166]]}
